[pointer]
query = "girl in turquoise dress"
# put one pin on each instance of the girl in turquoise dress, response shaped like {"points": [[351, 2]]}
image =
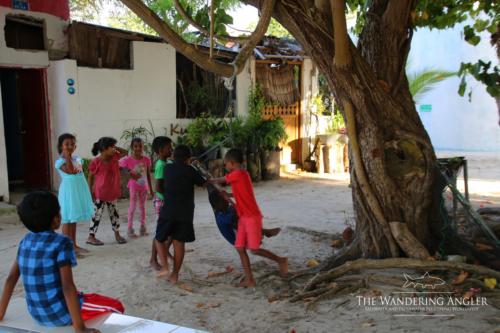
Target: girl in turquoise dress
{"points": [[74, 194]]}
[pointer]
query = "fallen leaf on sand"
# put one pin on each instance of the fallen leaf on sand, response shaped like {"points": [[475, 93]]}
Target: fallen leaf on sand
{"points": [[294, 272], [375, 293], [13, 245], [309, 299], [189, 250], [213, 274], [211, 304], [431, 281], [483, 247], [186, 288], [312, 263], [317, 244], [430, 258], [491, 283], [468, 295], [229, 268], [348, 234], [490, 201], [367, 325], [200, 305], [461, 278], [481, 205], [335, 243], [272, 299]]}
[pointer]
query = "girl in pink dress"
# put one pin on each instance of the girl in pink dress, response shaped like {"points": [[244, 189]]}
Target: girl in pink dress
{"points": [[139, 165]]}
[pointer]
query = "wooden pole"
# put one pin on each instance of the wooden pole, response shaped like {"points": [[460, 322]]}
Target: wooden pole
{"points": [[212, 29]]}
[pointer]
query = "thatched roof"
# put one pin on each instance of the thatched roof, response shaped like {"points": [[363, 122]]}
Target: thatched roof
{"points": [[278, 83]]}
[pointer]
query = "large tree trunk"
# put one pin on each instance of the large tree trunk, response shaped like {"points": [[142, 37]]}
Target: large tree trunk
{"points": [[396, 152]]}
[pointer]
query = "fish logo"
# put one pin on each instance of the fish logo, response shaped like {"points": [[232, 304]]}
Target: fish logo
{"points": [[430, 281]]}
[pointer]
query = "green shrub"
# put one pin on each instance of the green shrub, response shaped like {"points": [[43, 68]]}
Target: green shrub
{"points": [[86, 164]]}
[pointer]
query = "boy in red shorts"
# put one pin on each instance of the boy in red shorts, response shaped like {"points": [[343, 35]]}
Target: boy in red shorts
{"points": [[250, 222]]}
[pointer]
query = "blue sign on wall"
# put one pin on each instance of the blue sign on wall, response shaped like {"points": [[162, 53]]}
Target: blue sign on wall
{"points": [[21, 5]]}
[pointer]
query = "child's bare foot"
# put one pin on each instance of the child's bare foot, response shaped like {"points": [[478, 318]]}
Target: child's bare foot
{"points": [[143, 230], [246, 283], [155, 265], [130, 233], [171, 279], [164, 272], [283, 266], [271, 232]]}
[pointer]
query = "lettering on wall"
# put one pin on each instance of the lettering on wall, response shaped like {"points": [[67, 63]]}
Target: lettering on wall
{"points": [[173, 130]]}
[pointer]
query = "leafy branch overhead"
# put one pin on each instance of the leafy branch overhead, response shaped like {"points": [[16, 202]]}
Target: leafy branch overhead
{"points": [[480, 72]]}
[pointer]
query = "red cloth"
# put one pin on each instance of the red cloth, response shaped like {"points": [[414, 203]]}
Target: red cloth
{"points": [[95, 305], [108, 185], [241, 184], [248, 234]]}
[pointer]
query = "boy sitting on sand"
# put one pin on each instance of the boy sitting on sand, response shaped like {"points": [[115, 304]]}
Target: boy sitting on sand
{"points": [[44, 262], [176, 214], [227, 218], [250, 217]]}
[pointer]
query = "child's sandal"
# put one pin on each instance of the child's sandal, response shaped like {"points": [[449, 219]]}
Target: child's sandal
{"points": [[143, 231], [131, 233]]}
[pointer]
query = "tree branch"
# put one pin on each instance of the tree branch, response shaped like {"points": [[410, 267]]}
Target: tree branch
{"points": [[189, 50], [190, 20]]}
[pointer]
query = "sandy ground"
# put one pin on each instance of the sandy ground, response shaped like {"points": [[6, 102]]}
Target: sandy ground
{"points": [[309, 200]]}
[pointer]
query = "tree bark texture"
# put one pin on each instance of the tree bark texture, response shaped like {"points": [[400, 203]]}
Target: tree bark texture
{"points": [[396, 152]]}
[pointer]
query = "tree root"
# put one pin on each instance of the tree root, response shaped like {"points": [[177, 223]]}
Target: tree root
{"points": [[279, 278], [318, 235], [338, 291], [398, 263], [313, 293]]}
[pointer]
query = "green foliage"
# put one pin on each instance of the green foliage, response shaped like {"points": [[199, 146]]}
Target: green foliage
{"points": [[181, 140], [199, 130], [274, 29], [200, 100], [481, 73], [138, 132], [273, 132], [86, 164], [86, 10], [425, 80], [335, 123], [443, 14]]}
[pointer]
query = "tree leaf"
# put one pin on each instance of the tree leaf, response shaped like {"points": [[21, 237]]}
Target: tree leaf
{"points": [[461, 278], [312, 263], [491, 283], [483, 247]]}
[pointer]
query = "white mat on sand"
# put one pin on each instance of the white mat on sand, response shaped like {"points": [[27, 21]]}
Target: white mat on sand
{"points": [[18, 320]]}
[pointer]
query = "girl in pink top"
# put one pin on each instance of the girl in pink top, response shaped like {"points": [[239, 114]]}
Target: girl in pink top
{"points": [[105, 170], [138, 165]]}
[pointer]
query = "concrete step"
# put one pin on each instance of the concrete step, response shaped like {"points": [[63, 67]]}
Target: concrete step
{"points": [[288, 167]]}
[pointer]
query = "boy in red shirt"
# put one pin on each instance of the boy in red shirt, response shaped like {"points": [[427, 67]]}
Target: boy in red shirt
{"points": [[250, 222]]}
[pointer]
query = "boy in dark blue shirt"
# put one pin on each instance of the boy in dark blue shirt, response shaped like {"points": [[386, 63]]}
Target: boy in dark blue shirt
{"points": [[44, 262], [176, 214]]}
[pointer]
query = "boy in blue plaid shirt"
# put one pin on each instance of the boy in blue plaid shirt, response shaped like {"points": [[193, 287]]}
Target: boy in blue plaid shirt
{"points": [[44, 262]]}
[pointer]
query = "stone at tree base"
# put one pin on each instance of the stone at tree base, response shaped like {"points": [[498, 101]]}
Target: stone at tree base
{"points": [[320, 168], [346, 158]]}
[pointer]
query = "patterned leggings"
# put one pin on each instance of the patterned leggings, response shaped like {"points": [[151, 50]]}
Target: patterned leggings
{"points": [[96, 218], [142, 196], [157, 203]]}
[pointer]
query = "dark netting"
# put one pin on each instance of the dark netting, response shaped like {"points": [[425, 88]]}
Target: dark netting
{"points": [[454, 209]]}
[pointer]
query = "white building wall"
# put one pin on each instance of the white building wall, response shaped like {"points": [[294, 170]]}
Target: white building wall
{"points": [[107, 102], [454, 123], [55, 39]]}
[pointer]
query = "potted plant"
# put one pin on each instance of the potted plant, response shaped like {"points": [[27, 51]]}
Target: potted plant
{"points": [[273, 132], [343, 138], [198, 132], [332, 133]]}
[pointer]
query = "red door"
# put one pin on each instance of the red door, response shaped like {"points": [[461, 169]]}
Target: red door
{"points": [[33, 128]]}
